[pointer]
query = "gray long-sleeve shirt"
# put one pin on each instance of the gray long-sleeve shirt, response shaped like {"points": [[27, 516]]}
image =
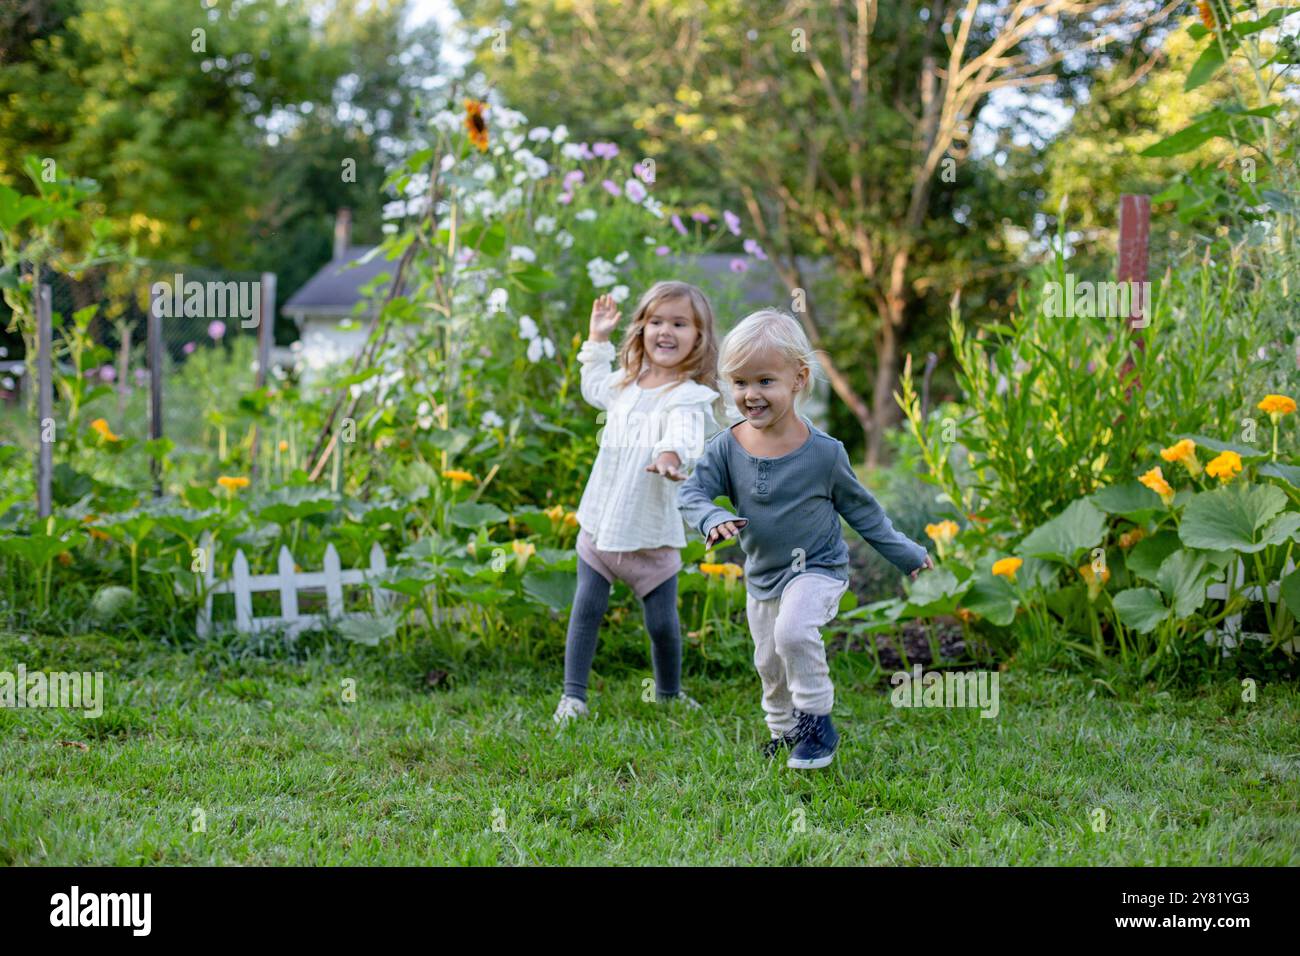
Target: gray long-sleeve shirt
{"points": [[793, 504]]}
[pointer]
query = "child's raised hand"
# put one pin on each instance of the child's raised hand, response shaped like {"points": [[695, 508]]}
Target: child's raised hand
{"points": [[668, 465], [728, 529], [604, 318], [929, 563]]}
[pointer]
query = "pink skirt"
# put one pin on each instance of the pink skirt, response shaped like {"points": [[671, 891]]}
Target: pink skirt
{"points": [[642, 570]]}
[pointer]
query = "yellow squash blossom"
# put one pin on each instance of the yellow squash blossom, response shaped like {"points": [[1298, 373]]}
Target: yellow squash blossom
{"points": [[942, 533], [232, 483], [1155, 480], [1130, 538], [571, 519], [1276, 406], [100, 426], [523, 551], [1185, 452], [1225, 466], [556, 514], [1095, 580], [1007, 567], [458, 476]]}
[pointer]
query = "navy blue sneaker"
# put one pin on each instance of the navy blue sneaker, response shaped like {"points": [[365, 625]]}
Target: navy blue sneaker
{"points": [[774, 746], [817, 742]]}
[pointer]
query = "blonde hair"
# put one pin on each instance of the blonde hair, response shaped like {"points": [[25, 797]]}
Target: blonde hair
{"points": [[769, 330], [701, 364]]}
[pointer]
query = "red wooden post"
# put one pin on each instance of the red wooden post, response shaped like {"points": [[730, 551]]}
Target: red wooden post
{"points": [[1134, 262]]}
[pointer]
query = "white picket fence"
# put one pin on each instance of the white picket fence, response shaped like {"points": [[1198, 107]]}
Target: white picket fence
{"points": [[288, 582], [1230, 632]]}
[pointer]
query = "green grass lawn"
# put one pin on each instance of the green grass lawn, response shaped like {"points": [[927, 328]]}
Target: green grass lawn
{"points": [[474, 772]]}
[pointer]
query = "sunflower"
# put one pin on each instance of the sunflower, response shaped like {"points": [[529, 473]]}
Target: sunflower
{"points": [[1207, 14], [476, 125]]}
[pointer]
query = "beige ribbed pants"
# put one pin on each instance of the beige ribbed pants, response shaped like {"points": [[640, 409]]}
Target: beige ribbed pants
{"points": [[788, 649]]}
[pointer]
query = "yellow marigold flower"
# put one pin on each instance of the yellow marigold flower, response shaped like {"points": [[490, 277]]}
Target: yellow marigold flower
{"points": [[1276, 406], [731, 571], [456, 475], [710, 569], [476, 125], [1007, 567], [100, 426], [1130, 538], [1155, 480], [1225, 466], [943, 532], [232, 483], [1185, 452], [1207, 14]]}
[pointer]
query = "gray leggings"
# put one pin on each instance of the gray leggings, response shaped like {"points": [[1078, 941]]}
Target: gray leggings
{"points": [[589, 605]]}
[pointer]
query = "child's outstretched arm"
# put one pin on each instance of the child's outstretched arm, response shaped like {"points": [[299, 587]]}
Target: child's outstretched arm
{"points": [[687, 426], [597, 353], [695, 496], [865, 516]]}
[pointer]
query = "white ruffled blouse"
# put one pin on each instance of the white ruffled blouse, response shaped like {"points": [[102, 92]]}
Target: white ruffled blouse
{"points": [[624, 507]]}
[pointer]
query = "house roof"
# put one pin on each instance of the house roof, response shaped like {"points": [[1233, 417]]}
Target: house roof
{"points": [[335, 289], [336, 286]]}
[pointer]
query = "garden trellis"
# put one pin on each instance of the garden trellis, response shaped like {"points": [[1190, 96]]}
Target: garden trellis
{"points": [[287, 582]]}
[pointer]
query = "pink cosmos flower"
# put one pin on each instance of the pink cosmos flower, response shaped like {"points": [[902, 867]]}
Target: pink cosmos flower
{"points": [[739, 265], [662, 250], [189, 348], [611, 187], [564, 198], [678, 224], [700, 216], [216, 330], [635, 191], [755, 250], [732, 221], [572, 178], [604, 150], [107, 373]]}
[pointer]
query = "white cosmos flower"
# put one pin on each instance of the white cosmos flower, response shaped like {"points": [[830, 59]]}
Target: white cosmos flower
{"points": [[560, 133], [485, 173], [619, 293], [523, 254], [527, 327], [491, 419], [585, 215], [497, 300], [572, 151], [545, 225], [564, 239], [539, 346], [539, 134], [653, 206], [394, 210], [621, 258], [601, 273]]}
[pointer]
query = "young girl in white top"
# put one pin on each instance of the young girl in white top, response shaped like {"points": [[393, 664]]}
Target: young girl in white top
{"points": [[661, 405]]}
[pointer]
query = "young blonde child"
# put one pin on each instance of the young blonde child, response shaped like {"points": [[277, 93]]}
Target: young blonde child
{"points": [[660, 407], [790, 483]]}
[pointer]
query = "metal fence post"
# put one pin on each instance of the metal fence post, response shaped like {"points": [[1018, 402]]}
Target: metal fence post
{"points": [[44, 399], [155, 346]]}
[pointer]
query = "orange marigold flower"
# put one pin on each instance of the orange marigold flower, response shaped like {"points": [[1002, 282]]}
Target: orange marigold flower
{"points": [[232, 483], [1007, 567], [476, 125], [1277, 405], [943, 532], [456, 475], [1225, 466]]}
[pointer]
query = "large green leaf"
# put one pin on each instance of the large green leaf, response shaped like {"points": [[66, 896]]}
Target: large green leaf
{"points": [[1140, 608], [466, 515], [1148, 554], [1235, 517], [991, 598], [1206, 65], [1129, 498], [368, 629], [1288, 473], [291, 503], [1290, 592], [1183, 577], [1078, 528], [935, 592], [554, 589]]}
